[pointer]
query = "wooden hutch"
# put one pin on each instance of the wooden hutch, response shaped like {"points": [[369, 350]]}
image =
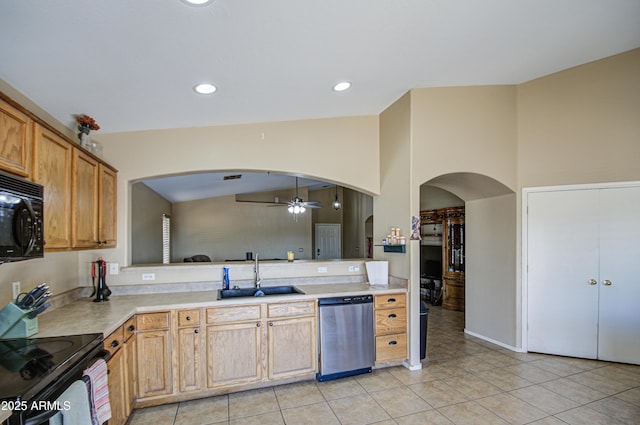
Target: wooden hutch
{"points": [[453, 256]]}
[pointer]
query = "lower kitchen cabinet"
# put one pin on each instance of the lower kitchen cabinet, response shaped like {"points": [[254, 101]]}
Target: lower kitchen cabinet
{"points": [[154, 354], [390, 311], [190, 351], [234, 354], [117, 388], [292, 347], [131, 353]]}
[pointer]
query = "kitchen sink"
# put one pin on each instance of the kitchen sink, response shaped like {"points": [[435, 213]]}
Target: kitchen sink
{"points": [[224, 294]]}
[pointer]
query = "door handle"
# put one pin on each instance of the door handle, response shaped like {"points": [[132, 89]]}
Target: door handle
{"points": [[592, 282], [606, 282]]}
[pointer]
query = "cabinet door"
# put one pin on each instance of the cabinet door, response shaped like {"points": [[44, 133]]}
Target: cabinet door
{"points": [[154, 363], [234, 354], [84, 209], [619, 315], [292, 347], [189, 359], [15, 140], [563, 258], [117, 389], [107, 207], [132, 372], [53, 162]]}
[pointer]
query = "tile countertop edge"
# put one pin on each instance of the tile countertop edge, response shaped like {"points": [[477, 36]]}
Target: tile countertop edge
{"points": [[85, 316]]}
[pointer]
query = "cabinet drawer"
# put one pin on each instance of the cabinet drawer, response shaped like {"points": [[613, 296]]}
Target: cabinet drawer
{"points": [[391, 347], [152, 321], [302, 308], [129, 328], [391, 321], [233, 314], [113, 342], [390, 300], [189, 318]]}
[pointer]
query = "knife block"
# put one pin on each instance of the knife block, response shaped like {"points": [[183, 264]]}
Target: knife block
{"points": [[15, 324]]}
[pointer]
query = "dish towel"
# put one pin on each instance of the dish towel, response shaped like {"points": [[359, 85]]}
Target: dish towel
{"points": [[101, 409], [76, 409]]}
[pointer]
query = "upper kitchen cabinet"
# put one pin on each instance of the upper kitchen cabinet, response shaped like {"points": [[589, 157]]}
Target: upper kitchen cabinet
{"points": [[94, 203], [52, 169], [15, 140], [79, 188], [84, 193]]}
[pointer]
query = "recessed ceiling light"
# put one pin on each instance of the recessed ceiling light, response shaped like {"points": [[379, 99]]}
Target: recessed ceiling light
{"points": [[205, 88], [342, 86], [197, 2]]}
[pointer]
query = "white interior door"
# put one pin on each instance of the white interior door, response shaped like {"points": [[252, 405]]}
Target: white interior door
{"points": [[562, 258], [328, 242], [619, 325]]}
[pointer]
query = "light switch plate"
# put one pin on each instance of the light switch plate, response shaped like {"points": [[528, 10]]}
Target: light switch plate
{"points": [[16, 289], [148, 276], [322, 269]]}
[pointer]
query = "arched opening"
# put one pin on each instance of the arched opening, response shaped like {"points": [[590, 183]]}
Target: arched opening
{"points": [[490, 281]]}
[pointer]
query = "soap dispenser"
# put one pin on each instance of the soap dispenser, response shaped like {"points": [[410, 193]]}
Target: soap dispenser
{"points": [[225, 278]]}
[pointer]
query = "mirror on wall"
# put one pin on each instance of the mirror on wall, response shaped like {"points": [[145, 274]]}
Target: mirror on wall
{"points": [[228, 216]]}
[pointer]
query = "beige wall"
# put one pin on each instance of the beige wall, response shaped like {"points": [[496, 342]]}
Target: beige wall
{"points": [[147, 208], [464, 129], [581, 125], [225, 229], [491, 291]]}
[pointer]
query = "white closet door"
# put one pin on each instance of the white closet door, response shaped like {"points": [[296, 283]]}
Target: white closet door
{"points": [[562, 257], [619, 327]]}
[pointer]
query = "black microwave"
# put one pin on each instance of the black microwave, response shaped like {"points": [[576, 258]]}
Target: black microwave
{"points": [[21, 212]]}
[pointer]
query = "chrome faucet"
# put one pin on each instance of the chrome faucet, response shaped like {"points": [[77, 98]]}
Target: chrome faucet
{"points": [[257, 280]]}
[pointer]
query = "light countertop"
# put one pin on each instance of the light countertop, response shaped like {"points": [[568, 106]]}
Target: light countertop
{"points": [[85, 316]]}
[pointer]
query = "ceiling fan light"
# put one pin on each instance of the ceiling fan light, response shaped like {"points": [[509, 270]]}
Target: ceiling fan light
{"points": [[302, 209], [290, 209]]}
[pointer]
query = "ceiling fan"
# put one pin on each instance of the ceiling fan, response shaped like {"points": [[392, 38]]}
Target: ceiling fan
{"points": [[297, 205]]}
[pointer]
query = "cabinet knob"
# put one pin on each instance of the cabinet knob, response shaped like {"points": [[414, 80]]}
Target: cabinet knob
{"points": [[393, 342], [114, 344], [258, 324], [392, 316], [188, 317], [270, 323], [592, 282], [606, 282], [131, 328], [196, 331], [391, 300]]}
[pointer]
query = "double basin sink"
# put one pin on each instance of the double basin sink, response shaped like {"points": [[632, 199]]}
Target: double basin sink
{"points": [[224, 294]]}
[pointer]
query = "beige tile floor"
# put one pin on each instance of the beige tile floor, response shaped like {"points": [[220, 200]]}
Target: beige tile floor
{"points": [[464, 381]]}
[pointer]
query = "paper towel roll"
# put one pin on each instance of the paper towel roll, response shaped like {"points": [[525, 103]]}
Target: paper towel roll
{"points": [[378, 272]]}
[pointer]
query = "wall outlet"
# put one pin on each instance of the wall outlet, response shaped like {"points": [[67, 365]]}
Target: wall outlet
{"points": [[354, 268], [114, 268], [148, 276], [16, 289], [322, 269]]}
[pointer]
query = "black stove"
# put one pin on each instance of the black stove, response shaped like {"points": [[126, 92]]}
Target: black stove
{"points": [[33, 369]]}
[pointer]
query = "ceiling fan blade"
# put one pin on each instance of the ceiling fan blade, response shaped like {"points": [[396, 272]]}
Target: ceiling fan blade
{"points": [[313, 206]]}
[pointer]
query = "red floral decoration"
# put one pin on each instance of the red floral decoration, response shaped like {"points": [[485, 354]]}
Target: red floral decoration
{"points": [[85, 122]]}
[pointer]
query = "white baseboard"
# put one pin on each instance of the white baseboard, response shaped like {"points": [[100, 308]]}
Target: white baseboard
{"points": [[406, 364], [493, 341]]}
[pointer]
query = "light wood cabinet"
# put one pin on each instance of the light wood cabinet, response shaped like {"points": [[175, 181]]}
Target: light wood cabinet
{"points": [[154, 354], [234, 354], [131, 353], [269, 341], [15, 140], [390, 314], [117, 384], [107, 207], [190, 351], [84, 195], [52, 169], [80, 190]]}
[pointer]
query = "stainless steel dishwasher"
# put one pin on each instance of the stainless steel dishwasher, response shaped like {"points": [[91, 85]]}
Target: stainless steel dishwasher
{"points": [[345, 336]]}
